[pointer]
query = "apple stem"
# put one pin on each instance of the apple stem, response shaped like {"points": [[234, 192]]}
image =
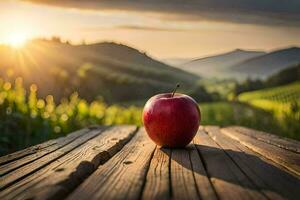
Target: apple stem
{"points": [[177, 86]]}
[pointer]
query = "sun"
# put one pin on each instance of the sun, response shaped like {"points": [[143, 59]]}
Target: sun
{"points": [[17, 40]]}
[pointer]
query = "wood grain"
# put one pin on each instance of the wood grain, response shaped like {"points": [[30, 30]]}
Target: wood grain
{"points": [[203, 184], [182, 177], [39, 147], [123, 176], [276, 140], [188, 176], [25, 152], [262, 172], [19, 173], [288, 159], [227, 178], [120, 162], [59, 178], [31, 154], [158, 180]]}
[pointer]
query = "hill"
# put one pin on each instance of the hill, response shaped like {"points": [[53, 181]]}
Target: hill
{"points": [[284, 77], [176, 62], [218, 64], [268, 64], [241, 64], [113, 71]]}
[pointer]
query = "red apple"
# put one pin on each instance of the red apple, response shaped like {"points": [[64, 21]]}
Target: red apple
{"points": [[171, 120]]}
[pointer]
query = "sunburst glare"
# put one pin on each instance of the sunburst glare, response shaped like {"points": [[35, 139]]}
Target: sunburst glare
{"points": [[17, 40]]}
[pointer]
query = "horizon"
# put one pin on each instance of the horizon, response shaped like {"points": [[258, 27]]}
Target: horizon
{"points": [[69, 42], [160, 35]]}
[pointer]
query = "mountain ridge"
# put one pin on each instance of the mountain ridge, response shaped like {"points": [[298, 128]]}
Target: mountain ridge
{"points": [[241, 64], [226, 53], [214, 65], [278, 60], [114, 71]]}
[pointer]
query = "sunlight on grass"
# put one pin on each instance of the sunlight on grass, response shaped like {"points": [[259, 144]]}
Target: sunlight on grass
{"points": [[27, 119], [279, 100]]}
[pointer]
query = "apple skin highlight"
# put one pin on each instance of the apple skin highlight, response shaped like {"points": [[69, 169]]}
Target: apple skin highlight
{"points": [[171, 121]]}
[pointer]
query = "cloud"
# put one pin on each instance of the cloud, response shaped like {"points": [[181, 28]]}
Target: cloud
{"points": [[148, 28], [134, 27], [264, 12]]}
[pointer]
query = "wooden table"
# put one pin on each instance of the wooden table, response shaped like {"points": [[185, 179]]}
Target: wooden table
{"points": [[121, 162]]}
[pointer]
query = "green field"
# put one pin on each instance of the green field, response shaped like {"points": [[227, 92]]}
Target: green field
{"points": [[278, 100], [283, 102]]}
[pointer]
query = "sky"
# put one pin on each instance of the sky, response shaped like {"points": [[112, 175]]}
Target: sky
{"points": [[162, 28]]}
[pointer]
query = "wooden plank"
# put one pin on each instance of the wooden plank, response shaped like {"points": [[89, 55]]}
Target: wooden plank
{"points": [[285, 143], [25, 152], [158, 181], [19, 173], [39, 147], [21, 158], [228, 180], [287, 159], [59, 178], [123, 176], [188, 176], [182, 177], [203, 184], [261, 172]]}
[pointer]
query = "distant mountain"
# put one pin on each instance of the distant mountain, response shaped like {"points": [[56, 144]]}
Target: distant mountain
{"points": [[176, 62], [268, 64], [283, 77], [114, 71], [219, 64], [241, 64]]}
